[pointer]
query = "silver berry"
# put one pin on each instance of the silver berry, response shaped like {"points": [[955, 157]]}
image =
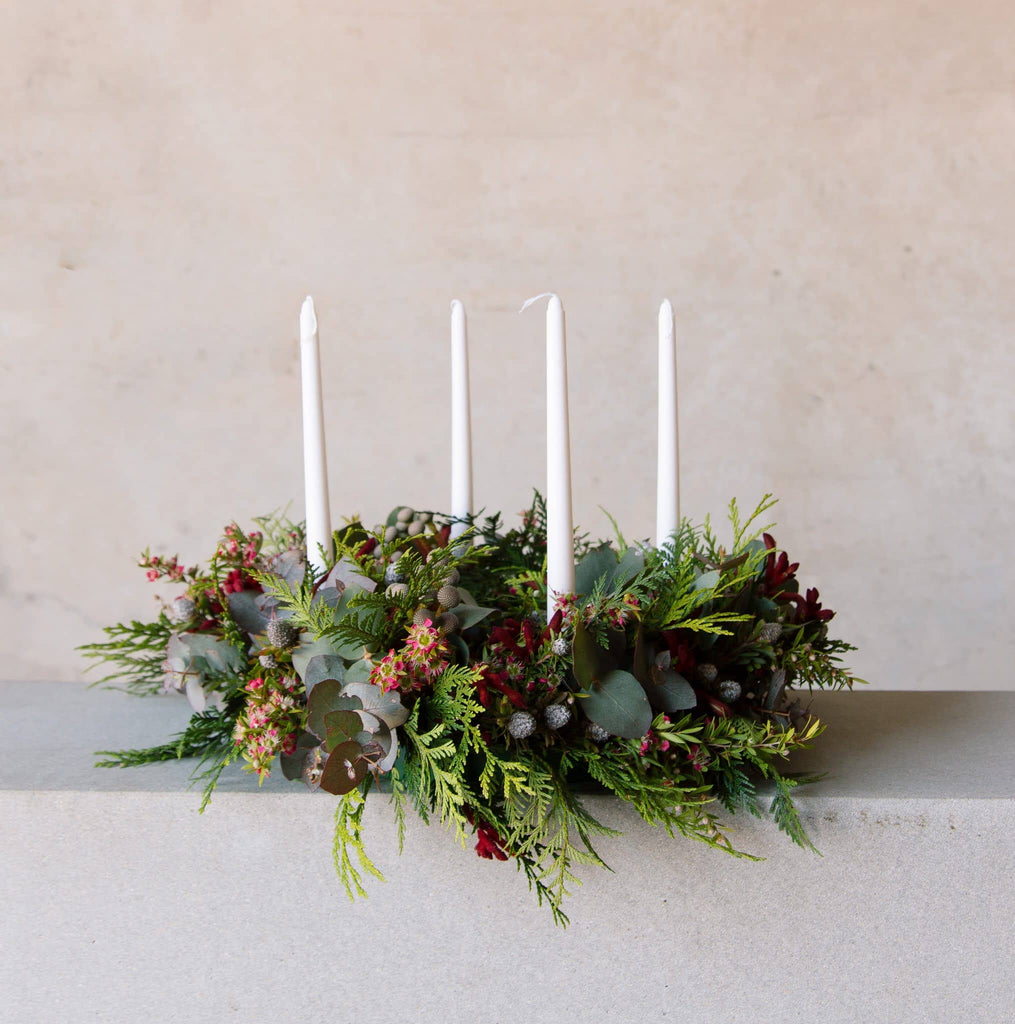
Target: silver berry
{"points": [[405, 515], [415, 528], [182, 609], [282, 633], [557, 716], [521, 724], [392, 575], [448, 597], [390, 533], [597, 733], [397, 589], [770, 632], [560, 646], [729, 690], [709, 673]]}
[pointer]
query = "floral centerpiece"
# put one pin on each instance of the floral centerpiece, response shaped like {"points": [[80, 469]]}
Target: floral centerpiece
{"points": [[420, 663]]}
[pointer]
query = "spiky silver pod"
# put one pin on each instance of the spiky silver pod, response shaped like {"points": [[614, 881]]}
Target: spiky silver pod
{"points": [[560, 646], [709, 673], [282, 634], [392, 575], [597, 733]]}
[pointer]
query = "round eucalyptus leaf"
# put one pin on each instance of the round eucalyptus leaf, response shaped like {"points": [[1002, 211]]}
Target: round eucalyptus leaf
{"points": [[618, 704]]}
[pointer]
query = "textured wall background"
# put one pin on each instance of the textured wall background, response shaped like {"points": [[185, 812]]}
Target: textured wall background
{"points": [[824, 192]]}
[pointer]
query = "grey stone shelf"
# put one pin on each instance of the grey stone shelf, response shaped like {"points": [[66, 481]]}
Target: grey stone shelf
{"points": [[121, 903]]}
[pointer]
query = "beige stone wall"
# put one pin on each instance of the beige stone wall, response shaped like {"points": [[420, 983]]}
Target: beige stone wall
{"points": [[824, 190]]}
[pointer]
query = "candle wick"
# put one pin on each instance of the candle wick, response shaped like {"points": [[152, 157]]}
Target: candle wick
{"points": [[536, 298]]}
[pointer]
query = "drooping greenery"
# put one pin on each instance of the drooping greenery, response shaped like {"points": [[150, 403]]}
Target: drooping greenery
{"points": [[423, 668]]}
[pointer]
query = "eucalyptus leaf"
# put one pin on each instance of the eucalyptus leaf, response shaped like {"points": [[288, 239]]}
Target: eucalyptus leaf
{"points": [[386, 706], [344, 770], [341, 726], [619, 705], [292, 764], [470, 614], [586, 656], [359, 671], [599, 562], [289, 564], [707, 580], [321, 667], [459, 646], [670, 691], [244, 609], [642, 657], [308, 649], [325, 697], [632, 563]]}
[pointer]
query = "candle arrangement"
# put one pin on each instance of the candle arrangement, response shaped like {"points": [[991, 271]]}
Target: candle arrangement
{"points": [[490, 675]]}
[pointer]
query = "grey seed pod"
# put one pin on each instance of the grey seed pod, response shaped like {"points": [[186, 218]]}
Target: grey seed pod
{"points": [[392, 575], [378, 529], [396, 555], [424, 517], [448, 622], [267, 660], [415, 528], [390, 533], [709, 673], [448, 597], [182, 609], [557, 715], [282, 633], [401, 529], [560, 646], [452, 578], [597, 733], [397, 589], [521, 724], [770, 632], [729, 690], [422, 617], [405, 515]]}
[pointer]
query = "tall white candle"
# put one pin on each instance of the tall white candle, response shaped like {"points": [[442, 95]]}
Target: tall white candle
{"points": [[461, 424], [559, 527], [315, 468], [668, 468]]}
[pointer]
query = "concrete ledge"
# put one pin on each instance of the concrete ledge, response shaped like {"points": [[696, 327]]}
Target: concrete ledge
{"points": [[121, 903]]}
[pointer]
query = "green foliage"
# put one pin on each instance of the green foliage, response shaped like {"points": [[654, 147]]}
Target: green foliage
{"points": [[135, 652], [348, 842]]}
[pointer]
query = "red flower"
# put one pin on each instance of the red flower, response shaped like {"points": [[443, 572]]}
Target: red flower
{"points": [[488, 843], [777, 570], [808, 608], [491, 680], [238, 580]]}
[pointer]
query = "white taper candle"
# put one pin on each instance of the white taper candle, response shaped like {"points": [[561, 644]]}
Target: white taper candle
{"points": [[559, 526], [461, 424], [315, 463], [668, 468]]}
